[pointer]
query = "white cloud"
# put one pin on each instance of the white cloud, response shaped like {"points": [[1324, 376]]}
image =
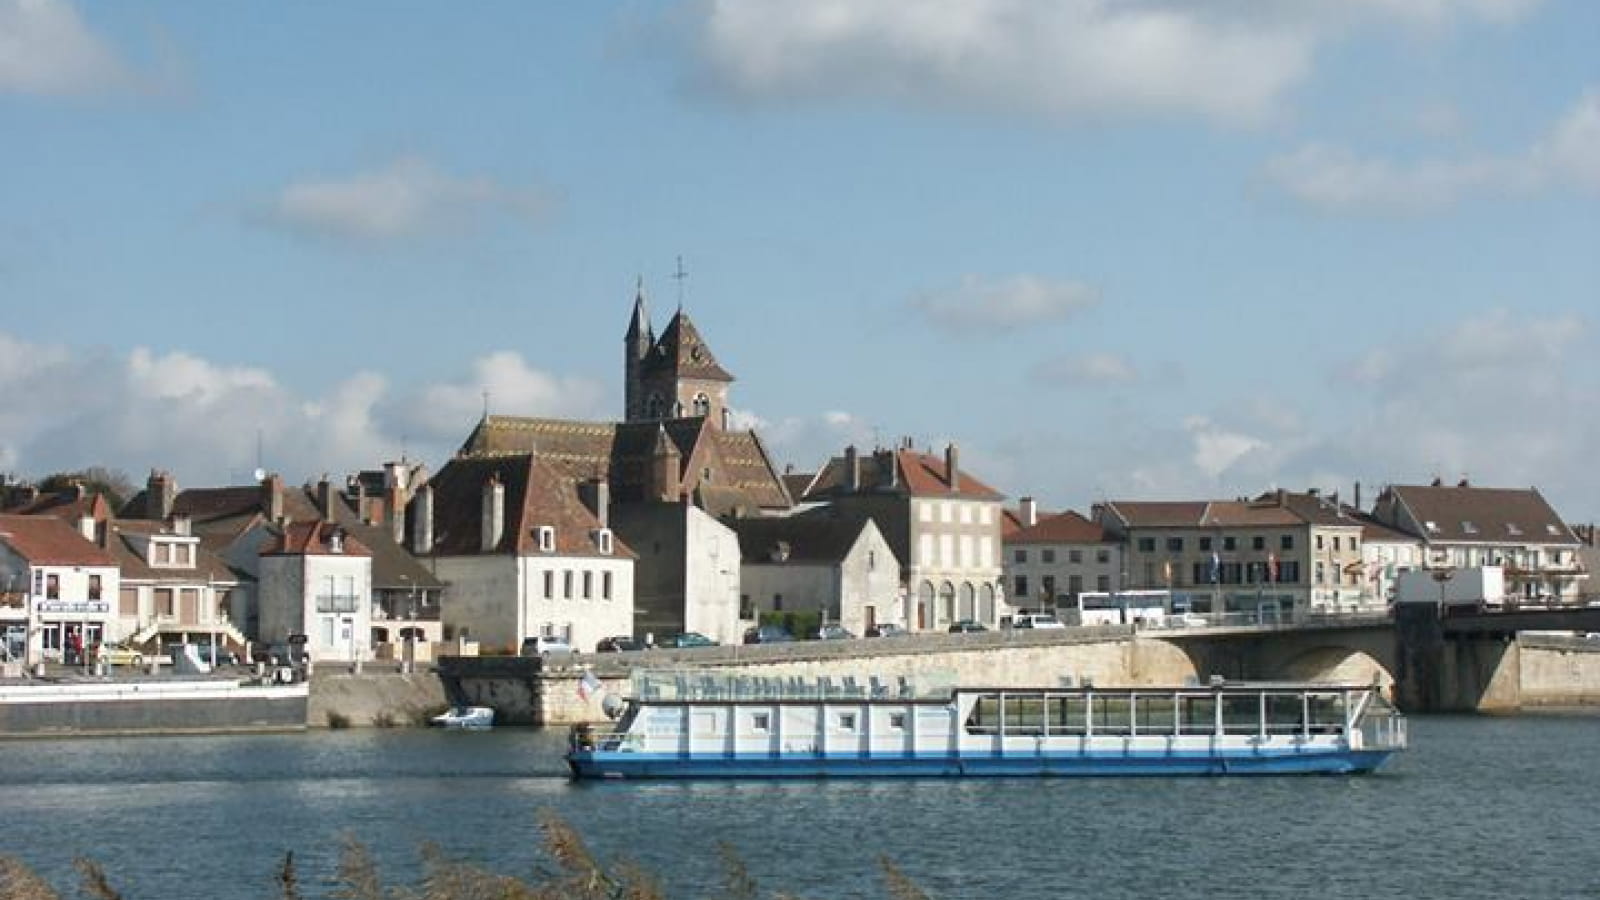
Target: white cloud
{"points": [[409, 197], [1337, 179], [1086, 370], [201, 419], [1001, 305], [46, 49], [1229, 61]]}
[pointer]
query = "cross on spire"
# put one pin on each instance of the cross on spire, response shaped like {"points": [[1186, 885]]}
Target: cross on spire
{"points": [[679, 275]]}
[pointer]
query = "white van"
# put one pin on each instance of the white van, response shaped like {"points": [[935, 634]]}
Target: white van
{"points": [[1035, 620]]}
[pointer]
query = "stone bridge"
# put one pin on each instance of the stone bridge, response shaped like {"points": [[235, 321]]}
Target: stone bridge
{"points": [[1454, 664]]}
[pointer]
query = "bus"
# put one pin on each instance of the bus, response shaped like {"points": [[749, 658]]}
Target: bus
{"points": [[1123, 607]]}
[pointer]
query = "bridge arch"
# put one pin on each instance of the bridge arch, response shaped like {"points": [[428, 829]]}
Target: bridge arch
{"points": [[1332, 663]]}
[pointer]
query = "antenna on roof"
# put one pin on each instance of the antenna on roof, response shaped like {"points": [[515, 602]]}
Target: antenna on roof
{"points": [[486, 404], [679, 275]]}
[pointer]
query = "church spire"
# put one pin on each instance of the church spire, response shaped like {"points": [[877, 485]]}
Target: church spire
{"points": [[636, 346]]}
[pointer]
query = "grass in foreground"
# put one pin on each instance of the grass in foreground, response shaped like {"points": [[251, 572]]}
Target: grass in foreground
{"points": [[576, 874]]}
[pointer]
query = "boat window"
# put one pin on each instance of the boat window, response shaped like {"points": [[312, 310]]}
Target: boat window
{"points": [[1111, 714], [1241, 713], [1153, 715], [1197, 715], [847, 721], [1067, 715], [897, 721], [985, 717], [1285, 713], [760, 721], [1327, 713], [1024, 715]]}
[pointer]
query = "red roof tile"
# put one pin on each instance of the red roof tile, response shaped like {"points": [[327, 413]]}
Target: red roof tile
{"points": [[47, 541]]}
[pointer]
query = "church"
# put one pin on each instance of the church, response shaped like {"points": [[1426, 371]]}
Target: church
{"points": [[661, 479]]}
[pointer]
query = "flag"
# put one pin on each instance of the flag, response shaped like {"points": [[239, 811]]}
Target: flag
{"points": [[1216, 568], [587, 685]]}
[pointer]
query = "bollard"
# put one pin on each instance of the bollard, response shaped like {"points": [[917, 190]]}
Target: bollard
{"points": [[307, 668]]}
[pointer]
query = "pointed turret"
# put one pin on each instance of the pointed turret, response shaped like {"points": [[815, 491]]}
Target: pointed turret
{"points": [[636, 346]]}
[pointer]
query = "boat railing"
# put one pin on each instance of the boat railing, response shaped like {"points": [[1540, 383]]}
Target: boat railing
{"points": [[700, 685]]}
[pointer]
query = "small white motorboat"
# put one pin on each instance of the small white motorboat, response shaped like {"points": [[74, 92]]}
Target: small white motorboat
{"points": [[465, 717]]}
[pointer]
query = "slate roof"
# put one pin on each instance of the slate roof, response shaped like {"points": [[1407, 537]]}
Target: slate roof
{"points": [[1062, 528], [818, 538], [69, 505], [1205, 514], [623, 453], [681, 352], [915, 474], [48, 541], [1465, 514], [537, 492]]}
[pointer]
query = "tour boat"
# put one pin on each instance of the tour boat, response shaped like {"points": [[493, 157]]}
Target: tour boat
{"points": [[465, 717], [703, 726]]}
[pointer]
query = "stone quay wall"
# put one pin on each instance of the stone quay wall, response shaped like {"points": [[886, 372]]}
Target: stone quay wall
{"points": [[1559, 671], [373, 698]]}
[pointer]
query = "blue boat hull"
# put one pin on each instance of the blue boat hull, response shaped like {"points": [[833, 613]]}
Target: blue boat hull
{"points": [[606, 764]]}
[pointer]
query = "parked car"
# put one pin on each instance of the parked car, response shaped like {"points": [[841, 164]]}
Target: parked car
{"points": [[620, 643], [210, 654], [1188, 619], [685, 639], [768, 634], [964, 626], [887, 629], [279, 654], [544, 645], [118, 654], [833, 632], [1035, 620]]}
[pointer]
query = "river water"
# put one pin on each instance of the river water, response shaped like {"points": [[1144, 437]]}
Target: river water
{"points": [[1478, 808]]}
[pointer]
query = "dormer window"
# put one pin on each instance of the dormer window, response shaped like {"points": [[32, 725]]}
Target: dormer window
{"points": [[1513, 528], [547, 538], [1432, 526], [1553, 529], [602, 541], [336, 541], [1469, 528]]}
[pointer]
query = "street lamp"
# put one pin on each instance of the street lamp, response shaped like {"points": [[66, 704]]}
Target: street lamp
{"points": [[1443, 576]]}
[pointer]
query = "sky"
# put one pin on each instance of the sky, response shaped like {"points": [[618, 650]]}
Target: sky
{"points": [[1124, 249]]}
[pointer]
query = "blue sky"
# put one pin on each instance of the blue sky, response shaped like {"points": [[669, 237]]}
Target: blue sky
{"points": [[1114, 248]]}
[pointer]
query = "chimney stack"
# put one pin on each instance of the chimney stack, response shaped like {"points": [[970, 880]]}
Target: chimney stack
{"points": [[852, 469], [86, 528], [422, 522], [182, 526], [1030, 512], [272, 497], [1358, 497], [596, 495], [325, 498], [952, 465], [494, 513], [161, 493]]}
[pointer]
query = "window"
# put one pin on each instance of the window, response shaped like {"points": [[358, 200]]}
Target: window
{"points": [[1047, 588], [602, 540], [52, 586], [1147, 545], [547, 539], [566, 584], [1319, 542], [702, 405], [1336, 542], [897, 721], [165, 604], [1020, 589], [1258, 542], [1174, 545], [761, 722], [588, 585], [605, 585], [1469, 528], [163, 554], [1102, 583], [1205, 544], [1075, 584], [1230, 543], [94, 587], [847, 721], [549, 584], [1075, 556], [777, 603], [1286, 542], [1102, 555], [1021, 555], [1047, 555], [1513, 528]]}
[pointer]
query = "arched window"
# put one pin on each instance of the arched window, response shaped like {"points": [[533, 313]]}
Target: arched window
{"points": [[986, 607], [967, 594], [947, 602], [925, 605], [702, 405], [655, 407]]}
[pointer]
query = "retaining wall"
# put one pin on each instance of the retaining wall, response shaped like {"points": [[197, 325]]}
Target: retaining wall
{"points": [[1559, 671]]}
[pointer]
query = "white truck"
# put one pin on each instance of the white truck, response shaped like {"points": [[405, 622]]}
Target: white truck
{"points": [[1475, 586]]}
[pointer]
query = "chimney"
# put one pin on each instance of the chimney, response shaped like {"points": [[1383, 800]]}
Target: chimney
{"points": [[272, 497], [852, 469], [161, 492], [596, 495], [952, 467], [494, 513], [325, 498], [422, 522], [889, 466], [1030, 512], [1357, 503], [182, 526], [86, 528]]}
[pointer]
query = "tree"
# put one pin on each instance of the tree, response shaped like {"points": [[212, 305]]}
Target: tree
{"points": [[115, 484]]}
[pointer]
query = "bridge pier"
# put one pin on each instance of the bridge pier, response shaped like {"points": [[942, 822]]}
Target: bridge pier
{"points": [[1439, 672]]}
